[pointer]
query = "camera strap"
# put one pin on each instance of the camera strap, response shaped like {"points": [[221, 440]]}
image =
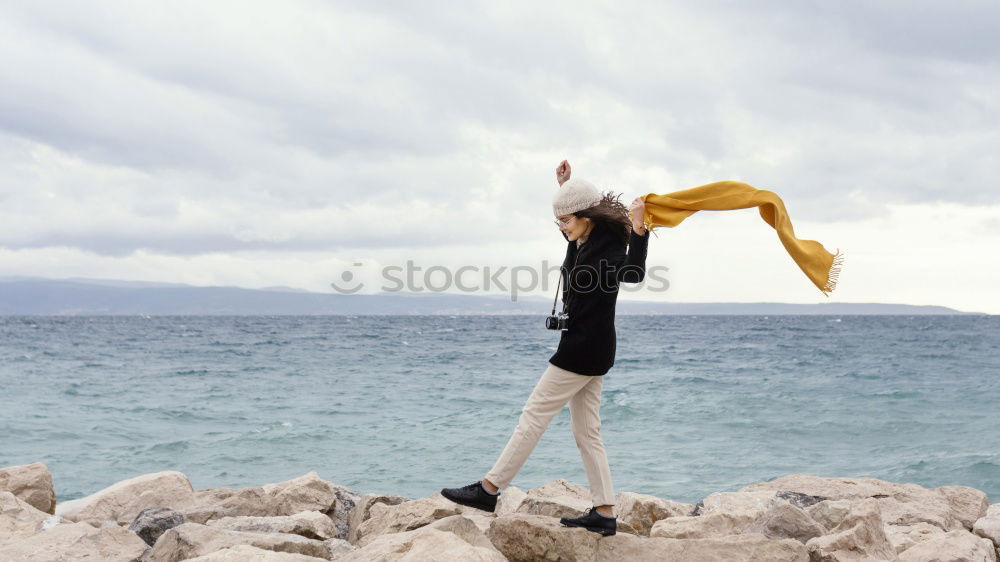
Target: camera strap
{"points": [[569, 285], [556, 297]]}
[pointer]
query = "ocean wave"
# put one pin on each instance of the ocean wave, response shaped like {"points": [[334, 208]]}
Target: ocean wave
{"points": [[691, 380], [897, 394]]}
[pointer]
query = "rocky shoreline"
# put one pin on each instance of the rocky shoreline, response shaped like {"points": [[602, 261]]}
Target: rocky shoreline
{"points": [[161, 517]]}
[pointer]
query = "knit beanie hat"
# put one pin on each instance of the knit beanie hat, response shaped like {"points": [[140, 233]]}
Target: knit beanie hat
{"points": [[575, 195]]}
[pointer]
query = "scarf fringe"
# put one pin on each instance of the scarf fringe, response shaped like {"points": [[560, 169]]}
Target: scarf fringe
{"points": [[651, 228], [834, 274]]}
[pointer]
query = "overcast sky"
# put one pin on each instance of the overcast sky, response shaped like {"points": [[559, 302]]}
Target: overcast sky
{"points": [[259, 144]]}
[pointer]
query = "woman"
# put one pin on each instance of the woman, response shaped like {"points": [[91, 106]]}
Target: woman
{"points": [[597, 228]]}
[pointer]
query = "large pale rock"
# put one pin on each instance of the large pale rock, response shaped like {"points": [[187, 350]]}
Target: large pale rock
{"points": [[510, 500], [311, 493], [309, 524], [829, 487], [524, 537], [406, 516], [701, 526], [452, 538], [77, 541], [18, 519], [641, 511], [247, 553], [733, 548], [32, 483], [528, 537], [967, 504], [860, 536], [830, 513], [558, 498], [465, 528], [903, 537], [482, 519], [424, 544], [954, 546], [988, 526], [786, 521], [747, 504], [337, 548], [193, 539], [121, 502], [948, 507], [717, 515], [362, 511], [308, 492], [921, 509], [215, 503], [152, 522]]}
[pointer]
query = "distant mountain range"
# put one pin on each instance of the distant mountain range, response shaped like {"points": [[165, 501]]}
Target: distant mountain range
{"points": [[80, 296]]}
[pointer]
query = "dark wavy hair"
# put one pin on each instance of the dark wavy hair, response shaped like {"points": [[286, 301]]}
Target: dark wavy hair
{"points": [[612, 213]]}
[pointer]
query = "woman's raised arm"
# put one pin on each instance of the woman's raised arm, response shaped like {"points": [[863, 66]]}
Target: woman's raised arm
{"points": [[633, 270]]}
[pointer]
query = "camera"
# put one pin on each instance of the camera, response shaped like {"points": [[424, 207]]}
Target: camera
{"points": [[557, 321]]}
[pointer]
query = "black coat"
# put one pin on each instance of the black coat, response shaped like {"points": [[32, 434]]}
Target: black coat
{"points": [[601, 263]]}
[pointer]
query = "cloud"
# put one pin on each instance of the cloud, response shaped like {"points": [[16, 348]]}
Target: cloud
{"points": [[194, 129]]}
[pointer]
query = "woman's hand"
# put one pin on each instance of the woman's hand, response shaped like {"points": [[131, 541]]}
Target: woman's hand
{"points": [[637, 210], [562, 172]]}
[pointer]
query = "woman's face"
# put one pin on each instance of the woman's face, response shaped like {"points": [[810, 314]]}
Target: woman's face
{"points": [[574, 226]]}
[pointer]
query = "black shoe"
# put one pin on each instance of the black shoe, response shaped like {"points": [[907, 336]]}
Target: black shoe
{"points": [[593, 521], [473, 495]]}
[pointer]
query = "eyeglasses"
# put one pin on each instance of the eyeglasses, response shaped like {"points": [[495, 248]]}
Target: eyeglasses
{"points": [[562, 223]]}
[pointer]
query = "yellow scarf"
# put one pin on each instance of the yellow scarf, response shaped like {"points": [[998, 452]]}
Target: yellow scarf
{"points": [[671, 209]]}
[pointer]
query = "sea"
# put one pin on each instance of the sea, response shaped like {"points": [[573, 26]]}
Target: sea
{"points": [[408, 405]]}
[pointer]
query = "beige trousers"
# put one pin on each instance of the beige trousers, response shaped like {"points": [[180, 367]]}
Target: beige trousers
{"points": [[557, 387]]}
